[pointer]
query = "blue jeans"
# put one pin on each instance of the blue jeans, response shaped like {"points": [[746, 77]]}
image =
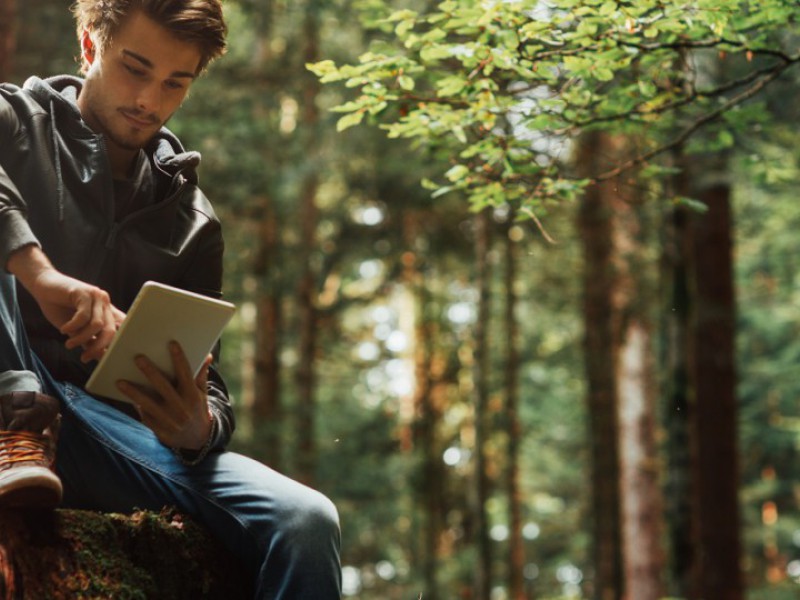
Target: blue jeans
{"points": [[285, 533]]}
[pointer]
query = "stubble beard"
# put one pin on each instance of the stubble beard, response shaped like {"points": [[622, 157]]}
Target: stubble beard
{"points": [[112, 125]]}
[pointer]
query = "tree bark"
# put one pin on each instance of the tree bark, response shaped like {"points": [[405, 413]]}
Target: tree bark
{"points": [[426, 442], [516, 548], [69, 554], [600, 351], [483, 569], [716, 569], [306, 292], [621, 383], [267, 408], [8, 23], [641, 497], [678, 412], [633, 299]]}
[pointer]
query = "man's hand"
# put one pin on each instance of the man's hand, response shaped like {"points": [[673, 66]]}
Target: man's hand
{"points": [[81, 311], [176, 411]]}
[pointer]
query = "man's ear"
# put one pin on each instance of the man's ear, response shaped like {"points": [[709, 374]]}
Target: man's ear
{"points": [[88, 47]]}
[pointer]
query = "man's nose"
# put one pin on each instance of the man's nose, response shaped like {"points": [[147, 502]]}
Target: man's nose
{"points": [[149, 98]]}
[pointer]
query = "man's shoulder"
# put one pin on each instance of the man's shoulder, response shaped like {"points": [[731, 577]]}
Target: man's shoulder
{"points": [[32, 98], [17, 108], [17, 96], [8, 88], [201, 205]]}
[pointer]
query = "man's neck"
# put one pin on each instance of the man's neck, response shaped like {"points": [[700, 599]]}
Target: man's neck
{"points": [[122, 160]]}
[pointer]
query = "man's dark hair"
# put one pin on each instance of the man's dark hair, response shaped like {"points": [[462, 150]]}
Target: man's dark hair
{"points": [[197, 21]]}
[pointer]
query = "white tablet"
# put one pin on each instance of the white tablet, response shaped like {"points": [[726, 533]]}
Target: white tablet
{"points": [[159, 314]]}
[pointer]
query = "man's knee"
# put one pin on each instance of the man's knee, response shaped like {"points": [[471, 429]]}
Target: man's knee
{"points": [[312, 520]]}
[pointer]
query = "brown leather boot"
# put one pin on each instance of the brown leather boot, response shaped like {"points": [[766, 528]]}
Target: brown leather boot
{"points": [[28, 433]]}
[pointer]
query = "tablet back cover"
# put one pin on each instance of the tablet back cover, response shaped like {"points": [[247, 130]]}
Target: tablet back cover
{"points": [[159, 314]]}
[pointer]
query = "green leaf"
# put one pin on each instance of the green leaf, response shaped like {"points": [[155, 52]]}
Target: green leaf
{"points": [[690, 203], [435, 52], [403, 27], [647, 88], [321, 68], [450, 86], [458, 131], [402, 15], [406, 82], [603, 74], [350, 120], [442, 191], [456, 173], [608, 8]]}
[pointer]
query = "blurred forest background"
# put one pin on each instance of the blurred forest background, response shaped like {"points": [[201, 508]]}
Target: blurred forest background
{"points": [[541, 340]]}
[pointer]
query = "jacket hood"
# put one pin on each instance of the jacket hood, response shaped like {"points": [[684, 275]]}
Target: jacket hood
{"points": [[60, 93]]}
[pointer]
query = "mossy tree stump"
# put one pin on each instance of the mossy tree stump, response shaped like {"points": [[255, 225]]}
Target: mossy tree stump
{"points": [[71, 554]]}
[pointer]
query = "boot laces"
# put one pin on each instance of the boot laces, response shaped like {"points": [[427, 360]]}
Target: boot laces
{"points": [[23, 447]]}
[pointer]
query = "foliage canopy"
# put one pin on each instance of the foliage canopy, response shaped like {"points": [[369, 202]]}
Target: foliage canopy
{"points": [[502, 88]]}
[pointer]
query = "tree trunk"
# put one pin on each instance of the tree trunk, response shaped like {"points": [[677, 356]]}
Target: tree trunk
{"points": [[632, 300], [676, 388], [306, 293], [427, 444], [717, 571], [267, 409], [483, 568], [8, 22], [678, 417], [600, 352], [426, 412], [617, 308], [68, 554], [516, 548], [641, 498]]}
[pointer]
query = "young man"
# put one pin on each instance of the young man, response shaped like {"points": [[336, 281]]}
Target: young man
{"points": [[96, 197]]}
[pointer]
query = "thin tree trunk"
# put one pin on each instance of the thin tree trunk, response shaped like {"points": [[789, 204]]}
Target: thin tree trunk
{"points": [[600, 352], [632, 301], [516, 548], [427, 419], [676, 385], [641, 497], [425, 422], [8, 24], [483, 570], [717, 570], [627, 499], [267, 408], [306, 294]]}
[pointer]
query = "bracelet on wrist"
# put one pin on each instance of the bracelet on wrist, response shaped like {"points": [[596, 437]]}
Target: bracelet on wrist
{"points": [[196, 456]]}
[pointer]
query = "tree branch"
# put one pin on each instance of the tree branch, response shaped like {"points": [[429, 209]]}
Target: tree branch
{"points": [[696, 125]]}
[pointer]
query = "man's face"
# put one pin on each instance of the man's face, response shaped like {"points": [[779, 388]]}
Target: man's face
{"points": [[136, 82]]}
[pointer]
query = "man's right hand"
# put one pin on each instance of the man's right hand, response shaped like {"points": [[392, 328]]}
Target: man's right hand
{"points": [[81, 311]]}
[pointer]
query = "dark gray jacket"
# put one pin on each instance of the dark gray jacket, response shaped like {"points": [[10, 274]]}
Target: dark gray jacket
{"points": [[57, 191]]}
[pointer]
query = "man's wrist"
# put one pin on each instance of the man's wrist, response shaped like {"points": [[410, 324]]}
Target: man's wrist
{"points": [[191, 457], [27, 264]]}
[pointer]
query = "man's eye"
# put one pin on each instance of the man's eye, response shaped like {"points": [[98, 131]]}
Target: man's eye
{"points": [[174, 85], [134, 71]]}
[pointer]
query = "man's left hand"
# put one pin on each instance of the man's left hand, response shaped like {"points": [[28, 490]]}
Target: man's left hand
{"points": [[176, 411]]}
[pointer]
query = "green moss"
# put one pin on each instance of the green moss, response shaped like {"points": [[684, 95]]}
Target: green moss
{"points": [[72, 554]]}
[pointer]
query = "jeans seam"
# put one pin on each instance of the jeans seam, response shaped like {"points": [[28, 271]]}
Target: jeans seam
{"points": [[111, 445]]}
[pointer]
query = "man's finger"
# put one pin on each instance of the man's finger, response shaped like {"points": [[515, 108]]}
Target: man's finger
{"points": [[144, 400], [92, 325], [183, 372], [159, 381], [83, 310]]}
